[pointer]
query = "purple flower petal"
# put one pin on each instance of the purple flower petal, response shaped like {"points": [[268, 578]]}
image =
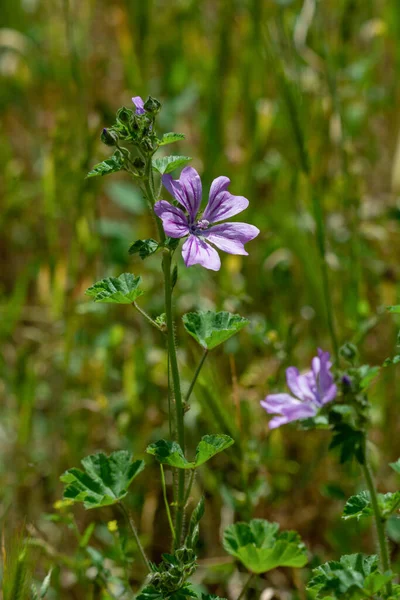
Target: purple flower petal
{"points": [[173, 218], [288, 407], [138, 102], [196, 251], [230, 237], [274, 403], [186, 190], [221, 203]]}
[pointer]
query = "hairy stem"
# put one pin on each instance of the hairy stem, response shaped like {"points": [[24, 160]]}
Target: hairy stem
{"points": [[147, 317], [132, 526], [379, 520], [177, 393], [195, 376], [164, 489]]}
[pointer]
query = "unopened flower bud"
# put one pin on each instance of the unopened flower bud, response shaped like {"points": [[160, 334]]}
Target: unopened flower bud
{"points": [[109, 137], [152, 105]]}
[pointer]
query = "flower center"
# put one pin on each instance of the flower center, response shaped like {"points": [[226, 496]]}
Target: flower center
{"points": [[203, 224]]}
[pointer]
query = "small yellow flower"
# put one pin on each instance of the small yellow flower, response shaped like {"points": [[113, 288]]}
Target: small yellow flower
{"points": [[272, 336], [102, 401], [112, 526], [61, 504]]}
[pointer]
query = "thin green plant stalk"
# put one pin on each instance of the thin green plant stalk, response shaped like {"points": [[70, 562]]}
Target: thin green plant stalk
{"points": [[189, 487], [246, 586], [164, 489], [172, 358], [379, 520], [177, 393], [195, 376], [132, 526]]}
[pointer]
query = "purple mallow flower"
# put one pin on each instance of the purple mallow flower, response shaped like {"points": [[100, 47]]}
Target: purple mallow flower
{"points": [[310, 392], [229, 237], [138, 102]]}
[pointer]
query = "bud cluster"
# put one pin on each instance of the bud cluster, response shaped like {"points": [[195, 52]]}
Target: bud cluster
{"points": [[136, 128]]}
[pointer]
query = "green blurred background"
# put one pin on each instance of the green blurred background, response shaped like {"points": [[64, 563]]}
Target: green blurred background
{"points": [[239, 78]]}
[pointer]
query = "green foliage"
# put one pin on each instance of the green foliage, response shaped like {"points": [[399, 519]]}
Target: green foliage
{"points": [[116, 290], [170, 138], [260, 547], [169, 578], [396, 466], [167, 164], [104, 481], [170, 453], [110, 165], [349, 442], [144, 247], [210, 328], [16, 570], [193, 529], [354, 577], [359, 506], [394, 309]]}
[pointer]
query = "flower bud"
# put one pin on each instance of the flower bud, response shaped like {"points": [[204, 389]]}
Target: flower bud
{"points": [[152, 105], [109, 137]]}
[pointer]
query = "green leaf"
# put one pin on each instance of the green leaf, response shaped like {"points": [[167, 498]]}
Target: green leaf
{"points": [[170, 453], [111, 165], [210, 328], [396, 466], [144, 247], [354, 576], [360, 505], [260, 547], [211, 597], [44, 588], [349, 442], [167, 164], [117, 290], [193, 529], [104, 481], [170, 138], [394, 309], [209, 446]]}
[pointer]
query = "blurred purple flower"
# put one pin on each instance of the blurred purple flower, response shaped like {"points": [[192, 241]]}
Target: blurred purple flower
{"points": [[138, 102], [310, 392], [229, 237]]}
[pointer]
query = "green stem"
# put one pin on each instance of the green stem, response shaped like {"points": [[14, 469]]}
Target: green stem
{"points": [[379, 520], [195, 376], [189, 487], [147, 317], [177, 393], [246, 586], [132, 525], [164, 489]]}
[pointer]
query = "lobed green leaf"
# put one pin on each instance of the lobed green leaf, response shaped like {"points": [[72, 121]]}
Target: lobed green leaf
{"points": [[170, 138], [210, 328], [111, 165], [359, 506], [167, 164], [116, 290], [260, 547], [144, 248], [353, 577], [104, 481], [170, 453]]}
